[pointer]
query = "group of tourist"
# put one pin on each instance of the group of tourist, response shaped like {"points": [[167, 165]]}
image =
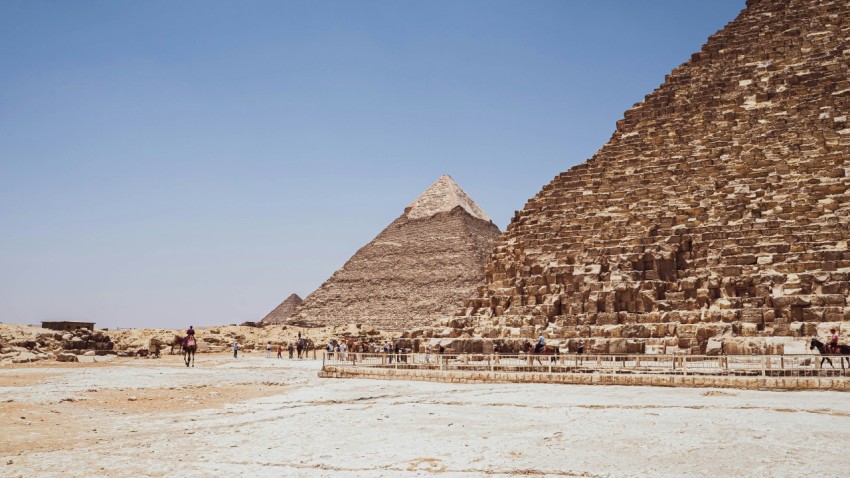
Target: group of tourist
{"points": [[300, 346], [341, 349], [439, 350]]}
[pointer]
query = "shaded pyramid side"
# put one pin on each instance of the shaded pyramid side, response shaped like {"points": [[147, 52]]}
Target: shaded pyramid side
{"points": [[283, 311]]}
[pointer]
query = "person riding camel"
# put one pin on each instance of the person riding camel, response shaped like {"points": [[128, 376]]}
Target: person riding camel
{"points": [[832, 344], [189, 333]]}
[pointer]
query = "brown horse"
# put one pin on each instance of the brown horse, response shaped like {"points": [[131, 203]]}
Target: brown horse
{"points": [[177, 341], [537, 350], [842, 355], [189, 348]]}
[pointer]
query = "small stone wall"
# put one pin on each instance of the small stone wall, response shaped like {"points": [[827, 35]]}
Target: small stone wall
{"points": [[749, 383]]}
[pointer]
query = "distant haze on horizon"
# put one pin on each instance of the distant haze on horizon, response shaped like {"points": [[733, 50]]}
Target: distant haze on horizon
{"points": [[173, 163]]}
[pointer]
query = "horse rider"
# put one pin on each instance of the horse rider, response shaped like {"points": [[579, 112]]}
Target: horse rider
{"points": [[832, 344], [541, 342]]}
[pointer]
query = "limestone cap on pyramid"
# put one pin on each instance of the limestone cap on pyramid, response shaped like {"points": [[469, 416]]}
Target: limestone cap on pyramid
{"points": [[443, 196]]}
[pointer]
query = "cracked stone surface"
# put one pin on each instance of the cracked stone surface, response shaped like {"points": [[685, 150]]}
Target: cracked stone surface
{"points": [[259, 417]]}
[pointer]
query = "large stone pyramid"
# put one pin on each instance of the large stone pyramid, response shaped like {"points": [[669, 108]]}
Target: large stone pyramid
{"points": [[718, 209], [283, 311], [418, 269]]}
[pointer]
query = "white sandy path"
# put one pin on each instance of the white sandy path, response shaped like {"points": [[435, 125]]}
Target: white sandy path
{"points": [[352, 428], [142, 374]]}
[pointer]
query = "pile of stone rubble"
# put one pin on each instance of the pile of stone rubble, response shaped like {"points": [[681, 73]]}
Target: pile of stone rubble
{"points": [[61, 346]]}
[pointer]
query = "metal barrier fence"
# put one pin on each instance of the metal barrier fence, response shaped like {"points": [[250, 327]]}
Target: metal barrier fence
{"points": [[723, 365]]}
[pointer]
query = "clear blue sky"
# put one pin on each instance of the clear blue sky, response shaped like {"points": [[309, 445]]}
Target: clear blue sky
{"points": [[169, 163]]}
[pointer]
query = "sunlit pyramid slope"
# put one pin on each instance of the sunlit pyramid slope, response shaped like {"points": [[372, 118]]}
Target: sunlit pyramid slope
{"points": [[418, 269], [282, 311], [443, 196], [717, 216]]}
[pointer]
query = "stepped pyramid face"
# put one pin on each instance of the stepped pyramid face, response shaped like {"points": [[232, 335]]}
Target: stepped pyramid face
{"points": [[282, 311], [719, 207], [418, 269]]}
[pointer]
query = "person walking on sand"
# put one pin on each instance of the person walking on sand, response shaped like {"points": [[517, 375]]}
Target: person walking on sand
{"points": [[279, 351], [291, 348], [268, 350], [235, 349]]}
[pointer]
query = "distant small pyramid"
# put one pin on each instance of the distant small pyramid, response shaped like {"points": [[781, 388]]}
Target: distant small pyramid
{"points": [[415, 271], [282, 311]]}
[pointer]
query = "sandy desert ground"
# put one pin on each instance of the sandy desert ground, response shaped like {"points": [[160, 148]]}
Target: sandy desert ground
{"points": [[258, 417]]}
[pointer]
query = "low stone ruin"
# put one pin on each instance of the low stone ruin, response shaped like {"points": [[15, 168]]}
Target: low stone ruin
{"points": [[60, 346], [477, 335]]}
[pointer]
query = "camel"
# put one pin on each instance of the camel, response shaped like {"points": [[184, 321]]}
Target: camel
{"points": [[189, 349], [177, 341]]}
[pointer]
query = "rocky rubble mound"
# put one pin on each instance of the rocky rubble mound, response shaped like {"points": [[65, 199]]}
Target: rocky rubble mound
{"points": [[20, 344], [255, 338]]}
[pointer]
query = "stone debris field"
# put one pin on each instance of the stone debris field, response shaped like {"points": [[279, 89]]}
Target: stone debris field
{"points": [[268, 417]]}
